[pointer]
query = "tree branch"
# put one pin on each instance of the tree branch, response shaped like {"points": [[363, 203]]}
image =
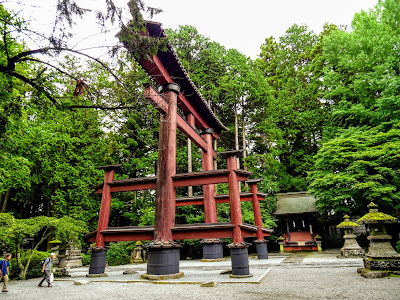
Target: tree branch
{"points": [[49, 64], [33, 84], [101, 107]]}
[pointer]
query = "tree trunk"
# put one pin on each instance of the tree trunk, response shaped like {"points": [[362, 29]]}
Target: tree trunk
{"points": [[237, 141], [50, 207], [237, 135], [5, 201], [244, 140], [190, 165], [19, 263], [215, 147], [244, 144], [45, 235]]}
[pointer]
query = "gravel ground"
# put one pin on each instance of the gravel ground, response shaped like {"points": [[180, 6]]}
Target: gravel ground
{"points": [[316, 277]]}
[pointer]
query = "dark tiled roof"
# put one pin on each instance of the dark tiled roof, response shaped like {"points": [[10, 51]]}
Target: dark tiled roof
{"points": [[176, 70], [295, 203]]}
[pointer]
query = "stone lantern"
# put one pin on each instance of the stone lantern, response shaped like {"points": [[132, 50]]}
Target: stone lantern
{"points": [[350, 248], [382, 260], [138, 254]]}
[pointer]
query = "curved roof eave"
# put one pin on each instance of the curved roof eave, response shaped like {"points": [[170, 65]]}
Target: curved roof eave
{"points": [[176, 70]]}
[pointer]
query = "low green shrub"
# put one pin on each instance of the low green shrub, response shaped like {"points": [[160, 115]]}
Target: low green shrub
{"points": [[333, 241], [119, 253], [398, 246], [35, 266], [86, 258]]}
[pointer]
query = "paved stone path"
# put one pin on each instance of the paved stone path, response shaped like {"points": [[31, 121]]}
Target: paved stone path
{"points": [[317, 276], [295, 258]]}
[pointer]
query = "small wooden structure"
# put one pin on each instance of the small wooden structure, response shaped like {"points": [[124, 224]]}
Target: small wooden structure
{"points": [[201, 126], [297, 214]]}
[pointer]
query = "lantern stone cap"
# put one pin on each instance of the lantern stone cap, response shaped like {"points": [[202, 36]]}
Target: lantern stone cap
{"points": [[347, 223], [375, 217]]}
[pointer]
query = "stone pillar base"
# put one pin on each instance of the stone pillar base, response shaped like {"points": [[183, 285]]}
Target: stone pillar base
{"points": [[213, 250], [262, 249], [376, 274], [161, 277], [240, 260], [382, 264], [163, 258], [351, 248], [98, 261]]}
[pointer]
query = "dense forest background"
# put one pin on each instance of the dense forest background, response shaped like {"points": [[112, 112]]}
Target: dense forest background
{"points": [[315, 111]]}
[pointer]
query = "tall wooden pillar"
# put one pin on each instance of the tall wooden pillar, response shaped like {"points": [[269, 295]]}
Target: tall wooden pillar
{"points": [[234, 194], [212, 248], [163, 252], [210, 208], [104, 214], [261, 243], [256, 207], [99, 253], [191, 120], [166, 167], [238, 249]]}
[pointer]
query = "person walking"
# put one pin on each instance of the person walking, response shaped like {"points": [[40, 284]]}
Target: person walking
{"points": [[5, 270], [46, 269]]}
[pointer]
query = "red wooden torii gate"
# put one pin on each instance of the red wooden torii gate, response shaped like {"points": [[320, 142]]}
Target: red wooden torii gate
{"points": [[177, 90]]}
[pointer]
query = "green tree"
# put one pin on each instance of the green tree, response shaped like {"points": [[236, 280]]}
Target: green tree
{"points": [[357, 161], [358, 167], [13, 233], [290, 118]]}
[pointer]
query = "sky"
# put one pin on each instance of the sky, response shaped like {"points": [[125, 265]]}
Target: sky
{"points": [[238, 24], [244, 25]]}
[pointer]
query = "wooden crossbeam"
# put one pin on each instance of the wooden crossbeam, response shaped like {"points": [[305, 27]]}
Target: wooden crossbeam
{"points": [[179, 232], [222, 198], [182, 179], [159, 73], [161, 105]]}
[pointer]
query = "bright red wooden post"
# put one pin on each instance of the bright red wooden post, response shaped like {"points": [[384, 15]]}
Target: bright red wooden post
{"points": [[256, 209], [234, 195], [166, 167], [191, 120], [210, 207], [104, 214]]}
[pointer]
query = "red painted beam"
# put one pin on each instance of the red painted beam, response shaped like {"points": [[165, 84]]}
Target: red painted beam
{"points": [[133, 187], [126, 237], [160, 74], [200, 178], [183, 179], [161, 105], [185, 201], [178, 233]]}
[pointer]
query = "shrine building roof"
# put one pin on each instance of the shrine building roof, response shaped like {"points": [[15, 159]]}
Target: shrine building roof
{"points": [[295, 203]]}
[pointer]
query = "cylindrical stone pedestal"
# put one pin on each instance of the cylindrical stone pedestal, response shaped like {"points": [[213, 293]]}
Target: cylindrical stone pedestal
{"points": [[163, 261], [98, 261], [262, 249], [240, 261], [213, 250]]}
